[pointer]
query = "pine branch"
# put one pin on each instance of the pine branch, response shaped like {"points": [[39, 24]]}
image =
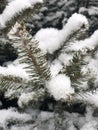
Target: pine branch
{"points": [[29, 53], [22, 13], [12, 87], [81, 82], [10, 83], [73, 69], [79, 34], [33, 97]]}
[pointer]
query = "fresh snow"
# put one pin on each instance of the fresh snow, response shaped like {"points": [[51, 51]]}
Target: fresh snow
{"points": [[91, 10], [33, 2], [60, 87], [15, 7], [50, 39], [12, 115], [14, 69], [93, 64], [45, 120], [25, 98], [91, 123], [89, 43], [89, 98], [55, 68], [65, 58]]}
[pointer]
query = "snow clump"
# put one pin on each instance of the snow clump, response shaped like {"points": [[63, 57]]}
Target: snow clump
{"points": [[60, 87]]}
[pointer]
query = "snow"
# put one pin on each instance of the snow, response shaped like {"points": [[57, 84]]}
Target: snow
{"points": [[90, 126], [33, 2], [55, 67], [7, 115], [75, 22], [15, 70], [90, 122], [83, 45], [65, 58], [93, 65], [29, 127], [82, 10], [45, 120], [15, 7], [91, 10], [13, 30], [51, 39], [25, 98], [90, 98], [60, 87]]}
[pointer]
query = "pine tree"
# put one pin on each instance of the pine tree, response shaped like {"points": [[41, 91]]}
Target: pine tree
{"points": [[58, 65]]}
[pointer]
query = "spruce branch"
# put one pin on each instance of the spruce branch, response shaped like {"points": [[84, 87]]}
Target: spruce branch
{"points": [[73, 69], [81, 82], [10, 83], [33, 97], [79, 34], [29, 53], [12, 87], [22, 13]]}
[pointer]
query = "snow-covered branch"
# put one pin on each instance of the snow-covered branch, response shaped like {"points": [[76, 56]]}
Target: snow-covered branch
{"points": [[89, 43], [51, 39], [14, 11]]}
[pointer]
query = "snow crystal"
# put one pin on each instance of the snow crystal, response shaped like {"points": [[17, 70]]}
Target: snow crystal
{"points": [[15, 7], [50, 39], [60, 87]]}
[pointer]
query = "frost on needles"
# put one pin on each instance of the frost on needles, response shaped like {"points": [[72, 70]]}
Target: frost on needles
{"points": [[57, 64]]}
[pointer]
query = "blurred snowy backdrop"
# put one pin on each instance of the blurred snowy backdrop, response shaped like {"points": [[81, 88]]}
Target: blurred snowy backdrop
{"points": [[55, 13]]}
